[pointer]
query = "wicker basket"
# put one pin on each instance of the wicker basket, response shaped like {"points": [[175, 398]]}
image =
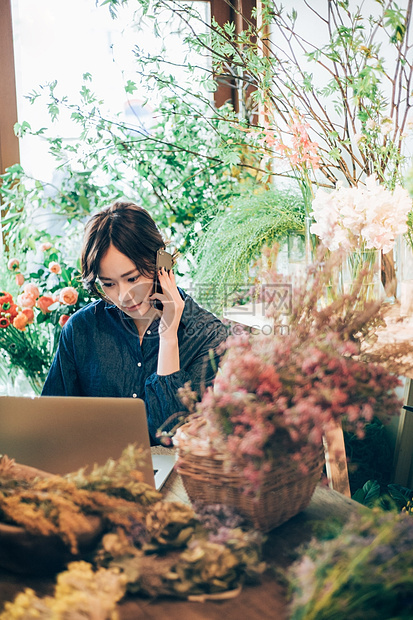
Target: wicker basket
{"points": [[285, 490]]}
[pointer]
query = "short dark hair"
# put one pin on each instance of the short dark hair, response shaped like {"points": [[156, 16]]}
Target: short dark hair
{"points": [[130, 229]]}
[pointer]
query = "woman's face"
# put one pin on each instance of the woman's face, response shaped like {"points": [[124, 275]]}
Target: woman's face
{"points": [[123, 284]]}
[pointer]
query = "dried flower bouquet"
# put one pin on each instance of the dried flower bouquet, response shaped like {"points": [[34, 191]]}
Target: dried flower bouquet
{"points": [[143, 545], [276, 395]]}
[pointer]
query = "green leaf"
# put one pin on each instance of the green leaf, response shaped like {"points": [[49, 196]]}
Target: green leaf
{"points": [[231, 158], [401, 495], [368, 494], [41, 318], [53, 110], [130, 87]]}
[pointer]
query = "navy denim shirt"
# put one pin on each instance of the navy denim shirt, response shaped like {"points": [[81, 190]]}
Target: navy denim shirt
{"points": [[99, 354]]}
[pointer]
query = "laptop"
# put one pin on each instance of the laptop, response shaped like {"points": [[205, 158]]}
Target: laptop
{"points": [[61, 434]]}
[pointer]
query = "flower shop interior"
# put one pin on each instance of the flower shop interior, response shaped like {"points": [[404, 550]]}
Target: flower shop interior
{"points": [[272, 144]]}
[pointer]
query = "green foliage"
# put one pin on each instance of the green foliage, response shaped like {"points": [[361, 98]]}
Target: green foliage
{"points": [[389, 497], [364, 573], [235, 237], [344, 66], [184, 165], [26, 200], [371, 457]]}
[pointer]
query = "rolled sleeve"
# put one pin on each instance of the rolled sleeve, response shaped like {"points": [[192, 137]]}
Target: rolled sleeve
{"points": [[161, 397]]}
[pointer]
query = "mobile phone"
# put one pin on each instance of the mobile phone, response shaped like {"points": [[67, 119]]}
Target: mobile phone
{"points": [[163, 259]]}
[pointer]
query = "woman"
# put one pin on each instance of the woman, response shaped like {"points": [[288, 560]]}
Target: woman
{"points": [[122, 345]]}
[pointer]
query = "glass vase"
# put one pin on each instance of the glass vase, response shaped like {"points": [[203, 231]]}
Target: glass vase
{"points": [[361, 275], [296, 257], [20, 384], [310, 241], [405, 276]]}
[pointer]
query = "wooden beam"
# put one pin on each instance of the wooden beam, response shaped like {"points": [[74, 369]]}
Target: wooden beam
{"points": [[9, 143], [336, 460], [239, 12]]}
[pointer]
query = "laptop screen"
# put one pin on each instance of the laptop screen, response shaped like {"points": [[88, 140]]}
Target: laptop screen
{"points": [[62, 434]]}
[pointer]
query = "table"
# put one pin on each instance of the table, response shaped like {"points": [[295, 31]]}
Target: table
{"points": [[259, 602]]}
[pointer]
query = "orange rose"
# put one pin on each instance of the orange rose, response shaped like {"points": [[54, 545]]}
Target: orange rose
{"points": [[29, 313], [20, 321], [26, 300], [63, 319], [45, 246], [19, 279], [13, 264], [44, 302], [31, 289], [55, 267], [68, 296]]}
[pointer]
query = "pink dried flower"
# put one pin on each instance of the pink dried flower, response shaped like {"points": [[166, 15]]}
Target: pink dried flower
{"points": [[278, 396]]}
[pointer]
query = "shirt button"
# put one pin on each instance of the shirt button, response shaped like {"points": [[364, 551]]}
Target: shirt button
{"points": [[134, 396], [148, 332], [139, 364]]}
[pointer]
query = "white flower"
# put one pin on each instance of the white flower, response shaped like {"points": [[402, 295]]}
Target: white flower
{"points": [[386, 126], [370, 124], [368, 216], [358, 137]]}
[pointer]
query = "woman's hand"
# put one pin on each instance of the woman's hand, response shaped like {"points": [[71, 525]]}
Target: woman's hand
{"points": [[173, 306]]}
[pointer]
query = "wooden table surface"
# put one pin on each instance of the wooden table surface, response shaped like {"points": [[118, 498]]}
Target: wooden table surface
{"points": [[259, 602]]}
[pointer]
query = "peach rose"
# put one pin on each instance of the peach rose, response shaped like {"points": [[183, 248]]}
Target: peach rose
{"points": [[68, 296], [20, 321], [26, 300], [55, 267], [13, 264], [29, 313], [31, 289], [45, 246], [19, 279], [63, 319], [44, 302]]}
